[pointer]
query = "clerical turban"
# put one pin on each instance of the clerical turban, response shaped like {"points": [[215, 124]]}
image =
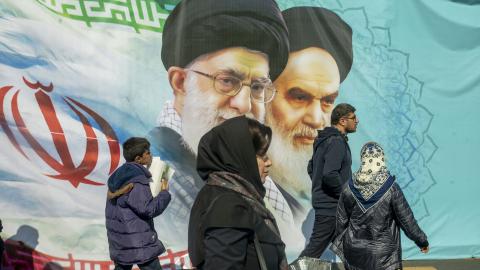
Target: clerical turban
{"points": [[322, 28], [197, 27]]}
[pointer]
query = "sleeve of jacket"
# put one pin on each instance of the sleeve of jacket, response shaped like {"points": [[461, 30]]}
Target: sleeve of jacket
{"points": [[334, 155], [141, 201], [405, 217], [225, 248], [314, 171], [343, 212]]}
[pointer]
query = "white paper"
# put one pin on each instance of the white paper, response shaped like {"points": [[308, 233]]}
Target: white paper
{"points": [[159, 168]]}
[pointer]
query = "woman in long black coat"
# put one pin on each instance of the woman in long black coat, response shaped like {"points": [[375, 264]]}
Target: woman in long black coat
{"points": [[230, 227], [371, 211]]}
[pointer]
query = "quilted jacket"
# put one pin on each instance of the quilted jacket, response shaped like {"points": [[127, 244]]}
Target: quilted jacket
{"points": [[368, 232]]}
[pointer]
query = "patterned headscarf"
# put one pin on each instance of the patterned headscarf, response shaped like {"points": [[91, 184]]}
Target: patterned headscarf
{"points": [[373, 173]]}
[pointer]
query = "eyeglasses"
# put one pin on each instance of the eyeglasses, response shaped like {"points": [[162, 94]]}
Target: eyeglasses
{"points": [[354, 118], [261, 90]]}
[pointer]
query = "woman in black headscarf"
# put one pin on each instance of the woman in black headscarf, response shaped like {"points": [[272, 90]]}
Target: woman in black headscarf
{"points": [[230, 227]]}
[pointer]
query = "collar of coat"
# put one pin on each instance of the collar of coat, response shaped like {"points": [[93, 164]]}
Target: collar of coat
{"points": [[129, 172], [366, 204]]}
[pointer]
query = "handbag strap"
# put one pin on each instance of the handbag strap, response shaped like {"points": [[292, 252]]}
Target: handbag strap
{"points": [[258, 248]]}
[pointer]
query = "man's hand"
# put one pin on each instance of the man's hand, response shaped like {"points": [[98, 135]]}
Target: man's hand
{"points": [[164, 184], [424, 249]]}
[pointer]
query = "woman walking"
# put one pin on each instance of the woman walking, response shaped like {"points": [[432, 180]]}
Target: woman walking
{"points": [[371, 211], [230, 227]]}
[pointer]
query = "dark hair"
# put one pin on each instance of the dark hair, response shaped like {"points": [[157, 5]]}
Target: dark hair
{"points": [[134, 147], [341, 110], [261, 136]]}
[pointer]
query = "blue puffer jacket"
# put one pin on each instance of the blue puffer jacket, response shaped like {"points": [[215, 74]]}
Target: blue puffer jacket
{"points": [[129, 217]]}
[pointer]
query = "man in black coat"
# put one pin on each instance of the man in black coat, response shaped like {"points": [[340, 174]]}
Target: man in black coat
{"points": [[329, 169]]}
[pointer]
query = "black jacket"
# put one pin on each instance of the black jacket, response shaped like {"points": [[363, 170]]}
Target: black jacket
{"points": [[329, 169], [221, 232], [368, 232]]}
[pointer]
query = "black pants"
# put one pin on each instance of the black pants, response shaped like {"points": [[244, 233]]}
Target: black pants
{"points": [[322, 235], [150, 265]]}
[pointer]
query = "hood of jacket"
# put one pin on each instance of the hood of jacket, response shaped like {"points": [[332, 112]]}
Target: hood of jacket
{"points": [[129, 172], [326, 133]]}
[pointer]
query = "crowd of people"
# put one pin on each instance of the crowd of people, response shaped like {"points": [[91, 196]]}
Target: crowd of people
{"points": [[230, 227]]}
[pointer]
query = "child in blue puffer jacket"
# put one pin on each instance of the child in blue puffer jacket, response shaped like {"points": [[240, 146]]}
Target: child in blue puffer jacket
{"points": [[130, 210]]}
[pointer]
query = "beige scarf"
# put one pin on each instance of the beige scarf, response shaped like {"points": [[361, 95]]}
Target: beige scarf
{"points": [[373, 173]]}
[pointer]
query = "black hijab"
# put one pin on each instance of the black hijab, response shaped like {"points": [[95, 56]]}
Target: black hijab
{"points": [[228, 147]]}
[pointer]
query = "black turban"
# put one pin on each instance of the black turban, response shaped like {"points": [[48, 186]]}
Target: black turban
{"points": [[197, 27], [322, 28]]}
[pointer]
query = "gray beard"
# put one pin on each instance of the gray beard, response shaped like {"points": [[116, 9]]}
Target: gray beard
{"points": [[289, 163]]}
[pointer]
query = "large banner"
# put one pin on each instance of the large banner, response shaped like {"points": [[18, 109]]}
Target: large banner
{"points": [[79, 77]]}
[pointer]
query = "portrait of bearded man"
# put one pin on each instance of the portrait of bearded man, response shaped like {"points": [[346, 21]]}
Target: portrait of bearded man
{"points": [[319, 61], [221, 58]]}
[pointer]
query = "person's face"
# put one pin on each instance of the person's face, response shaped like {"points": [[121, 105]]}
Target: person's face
{"points": [[350, 122], [264, 164], [241, 63], [204, 107], [306, 92], [144, 159]]}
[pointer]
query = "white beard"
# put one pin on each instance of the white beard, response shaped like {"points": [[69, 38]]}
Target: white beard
{"points": [[200, 114], [289, 162]]}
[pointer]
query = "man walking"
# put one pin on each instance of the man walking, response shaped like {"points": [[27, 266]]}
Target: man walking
{"points": [[329, 169]]}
